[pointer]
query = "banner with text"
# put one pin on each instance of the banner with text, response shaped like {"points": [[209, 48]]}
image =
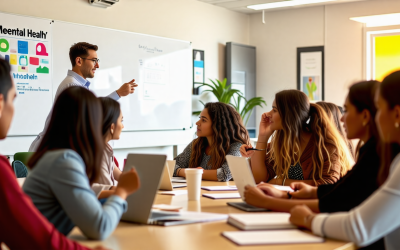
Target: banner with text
{"points": [[25, 43]]}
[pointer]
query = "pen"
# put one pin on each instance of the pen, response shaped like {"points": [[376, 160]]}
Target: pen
{"points": [[255, 149]]}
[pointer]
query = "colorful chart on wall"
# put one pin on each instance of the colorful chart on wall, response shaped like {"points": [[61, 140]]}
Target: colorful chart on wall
{"points": [[386, 55], [25, 43]]}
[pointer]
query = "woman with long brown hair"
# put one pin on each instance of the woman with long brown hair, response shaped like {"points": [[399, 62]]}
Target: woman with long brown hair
{"points": [[334, 113], [357, 185], [305, 144], [67, 162], [22, 225], [220, 132], [378, 216]]}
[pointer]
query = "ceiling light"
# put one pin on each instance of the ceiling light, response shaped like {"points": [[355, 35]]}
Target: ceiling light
{"points": [[379, 20], [281, 4]]}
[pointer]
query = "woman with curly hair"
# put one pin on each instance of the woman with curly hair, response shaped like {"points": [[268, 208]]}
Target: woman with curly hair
{"points": [[305, 144], [220, 132]]}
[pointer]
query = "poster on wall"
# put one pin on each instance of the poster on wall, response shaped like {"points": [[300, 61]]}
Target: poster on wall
{"points": [[198, 70], [25, 43], [310, 72]]}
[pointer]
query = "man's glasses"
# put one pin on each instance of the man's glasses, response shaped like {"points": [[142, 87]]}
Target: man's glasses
{"points": [[94, 60]]}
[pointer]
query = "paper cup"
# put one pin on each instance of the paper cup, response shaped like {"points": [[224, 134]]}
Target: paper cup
{"points": [[193, 180]]}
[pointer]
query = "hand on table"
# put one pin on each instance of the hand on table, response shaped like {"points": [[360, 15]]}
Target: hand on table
{"points": [[302, 216], [254, 196], [270, 190], [303, 191], [127, 88]]}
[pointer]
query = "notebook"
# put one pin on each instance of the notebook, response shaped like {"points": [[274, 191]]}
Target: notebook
{"points": [[219, 188], [178, 179], [292, 236], [174, 192], [261, 221], [223, 196]]}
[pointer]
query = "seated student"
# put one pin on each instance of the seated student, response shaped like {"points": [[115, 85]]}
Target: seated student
{"points": [[111, 129], [305, 145], [22, 225], [335, 115], [377, 216], [68, 161], [220, 132], [357, 185]]}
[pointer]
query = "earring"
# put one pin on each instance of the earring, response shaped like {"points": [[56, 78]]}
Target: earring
{"points": [[396, 125], [364, 124]]}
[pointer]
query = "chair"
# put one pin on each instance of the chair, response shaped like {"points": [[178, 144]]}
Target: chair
{"points": [[23, 157], [20, 169], [20, 164]]}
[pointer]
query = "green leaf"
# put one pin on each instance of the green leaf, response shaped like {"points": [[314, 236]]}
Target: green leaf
{"points": [[225, 94]]}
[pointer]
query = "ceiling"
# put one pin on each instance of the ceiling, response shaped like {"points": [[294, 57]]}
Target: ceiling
{"points": [[241, 5]]}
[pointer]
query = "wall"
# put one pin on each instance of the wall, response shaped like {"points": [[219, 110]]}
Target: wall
{"points": [[208, 27], [284, 31]]}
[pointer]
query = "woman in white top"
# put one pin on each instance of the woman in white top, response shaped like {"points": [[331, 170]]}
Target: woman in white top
{"points": [[378, 216], [111, 129]]}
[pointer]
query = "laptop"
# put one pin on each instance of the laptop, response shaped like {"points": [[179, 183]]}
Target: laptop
{"points": [[166, 183], [150, 168], [242, 175]]}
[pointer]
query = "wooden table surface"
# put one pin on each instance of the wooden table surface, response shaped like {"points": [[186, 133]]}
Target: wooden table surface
{"points": [[197, 236]]}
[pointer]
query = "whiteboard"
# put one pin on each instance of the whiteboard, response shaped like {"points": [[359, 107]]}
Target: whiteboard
{"points": [[162, 67]]}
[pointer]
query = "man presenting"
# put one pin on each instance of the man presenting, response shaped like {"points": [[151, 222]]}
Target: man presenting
{"points": [[84, 62]]}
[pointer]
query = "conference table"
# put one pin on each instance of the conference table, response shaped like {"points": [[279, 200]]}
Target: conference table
{"points": [[197, 236]]}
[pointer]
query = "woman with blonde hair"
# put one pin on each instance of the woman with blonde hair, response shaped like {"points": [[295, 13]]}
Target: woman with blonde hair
{"points": [[220, 132], [333, 112], [305, 144]]}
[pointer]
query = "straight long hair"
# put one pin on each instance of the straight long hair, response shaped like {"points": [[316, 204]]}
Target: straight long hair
{"points": [[361, 96], [389, 90], [111, 112], [75, 124], [334, 113], [299, 115], [228, 128]]}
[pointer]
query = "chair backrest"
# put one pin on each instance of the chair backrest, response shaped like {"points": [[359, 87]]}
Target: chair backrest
{"points": [[20, 169], [23, 157]]}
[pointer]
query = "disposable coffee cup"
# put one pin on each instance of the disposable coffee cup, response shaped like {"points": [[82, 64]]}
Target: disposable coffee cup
{"points": [[193, 180]]}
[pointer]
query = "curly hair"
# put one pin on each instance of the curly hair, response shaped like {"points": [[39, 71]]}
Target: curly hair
{"points": [[228, 128], [299, 115]]}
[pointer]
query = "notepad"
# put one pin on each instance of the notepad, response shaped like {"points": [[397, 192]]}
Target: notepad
{"points": [[175, 192], [283, 188], [261, 221], [293, 236], [219, 188], [178, 179], [223, 196]]}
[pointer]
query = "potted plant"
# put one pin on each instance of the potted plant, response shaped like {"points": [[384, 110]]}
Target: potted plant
{"points": [[234, 97]]}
